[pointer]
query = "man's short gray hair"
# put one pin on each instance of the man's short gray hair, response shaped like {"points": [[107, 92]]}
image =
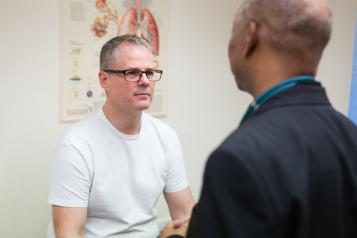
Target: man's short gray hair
{"points": [[108, 49]]}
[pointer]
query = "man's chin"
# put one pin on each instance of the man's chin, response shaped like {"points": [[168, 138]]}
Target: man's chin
{"points": [[143, 106], [240, 86]]}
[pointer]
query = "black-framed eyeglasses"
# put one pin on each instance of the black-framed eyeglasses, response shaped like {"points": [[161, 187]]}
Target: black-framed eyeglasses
{"points": [[134, 75]]}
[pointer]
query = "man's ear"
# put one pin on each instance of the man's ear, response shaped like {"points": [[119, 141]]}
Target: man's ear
{"points": [[103, 80], [251, 39]]}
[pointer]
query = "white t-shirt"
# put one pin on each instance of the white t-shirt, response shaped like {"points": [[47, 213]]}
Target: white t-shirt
{"points": [[118, 177]]}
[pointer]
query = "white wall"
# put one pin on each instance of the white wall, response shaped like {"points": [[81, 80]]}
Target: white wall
{"points": [[29, 58], [336, 65], [203, 103]]}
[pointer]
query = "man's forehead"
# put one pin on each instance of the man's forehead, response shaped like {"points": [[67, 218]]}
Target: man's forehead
{"points": [[132, 55]]}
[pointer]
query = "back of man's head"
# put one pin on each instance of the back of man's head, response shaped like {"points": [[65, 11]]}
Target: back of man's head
{"points": [[296, 28]]}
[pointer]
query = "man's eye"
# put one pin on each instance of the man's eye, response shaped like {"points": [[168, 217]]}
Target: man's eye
{"points": [[133, 73], [149, 73]]}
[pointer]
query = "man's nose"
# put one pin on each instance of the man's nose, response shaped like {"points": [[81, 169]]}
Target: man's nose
{"points": [[144, 79]]}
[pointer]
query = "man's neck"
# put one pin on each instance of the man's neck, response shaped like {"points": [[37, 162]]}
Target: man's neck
{"points": [[270, 68], [275, 74], [128, 123], [263, 86]]}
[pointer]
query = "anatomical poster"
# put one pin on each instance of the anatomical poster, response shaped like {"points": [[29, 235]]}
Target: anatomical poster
{"points": [[85, 26]]}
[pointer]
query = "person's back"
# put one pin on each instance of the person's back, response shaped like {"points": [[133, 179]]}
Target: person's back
{"points": [[306, 158]]}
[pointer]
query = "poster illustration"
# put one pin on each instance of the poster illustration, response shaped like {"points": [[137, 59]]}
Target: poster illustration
{"points": [[85, 26], [353, 97]]}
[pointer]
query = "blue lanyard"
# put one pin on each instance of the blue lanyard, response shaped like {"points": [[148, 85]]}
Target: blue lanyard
{"points": [[284, 85]]}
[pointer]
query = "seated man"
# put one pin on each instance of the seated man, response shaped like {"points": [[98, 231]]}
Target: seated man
{"points": [[111, 168]]}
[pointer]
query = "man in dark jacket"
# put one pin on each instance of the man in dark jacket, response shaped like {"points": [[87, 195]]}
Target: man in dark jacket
{"points": [[290, 169]]}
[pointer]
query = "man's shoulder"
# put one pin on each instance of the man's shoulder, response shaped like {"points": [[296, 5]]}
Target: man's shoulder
{"points": [[158, 125], [251, 141], [81, 129], [248, 132]]}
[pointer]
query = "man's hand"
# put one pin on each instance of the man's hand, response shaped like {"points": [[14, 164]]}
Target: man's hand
{"points": [[177, 227]]}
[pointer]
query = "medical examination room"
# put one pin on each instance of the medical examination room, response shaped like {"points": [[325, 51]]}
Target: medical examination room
{"points": [[178, 118]]}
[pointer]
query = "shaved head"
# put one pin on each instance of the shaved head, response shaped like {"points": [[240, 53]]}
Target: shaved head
{"points": [[295, 27]]}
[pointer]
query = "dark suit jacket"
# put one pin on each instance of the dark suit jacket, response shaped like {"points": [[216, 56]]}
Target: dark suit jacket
{"points": [[290, 170]]}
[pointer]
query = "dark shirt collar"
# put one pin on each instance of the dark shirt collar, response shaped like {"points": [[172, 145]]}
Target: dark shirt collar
{"points": [[275, 90]]}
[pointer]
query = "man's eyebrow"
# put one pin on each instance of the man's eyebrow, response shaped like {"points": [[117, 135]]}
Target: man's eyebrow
{"points": [[151, 69]]}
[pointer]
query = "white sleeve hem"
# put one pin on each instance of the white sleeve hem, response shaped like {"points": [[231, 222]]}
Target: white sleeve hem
{"points": [[64, 203], [173, 189]]}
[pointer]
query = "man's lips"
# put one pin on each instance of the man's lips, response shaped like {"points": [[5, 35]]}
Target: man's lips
{"points": [[142, 94]]}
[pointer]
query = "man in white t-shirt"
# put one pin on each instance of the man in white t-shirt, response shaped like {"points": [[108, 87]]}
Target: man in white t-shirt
{"points": [[111, 168]]}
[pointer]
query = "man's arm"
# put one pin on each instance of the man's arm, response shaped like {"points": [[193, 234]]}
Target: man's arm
{"points": [[69, 191], [180, 203], [69, 222]]}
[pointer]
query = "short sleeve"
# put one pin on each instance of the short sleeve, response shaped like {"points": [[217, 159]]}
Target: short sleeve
{"points": [[176, 179], [70, 183]]}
